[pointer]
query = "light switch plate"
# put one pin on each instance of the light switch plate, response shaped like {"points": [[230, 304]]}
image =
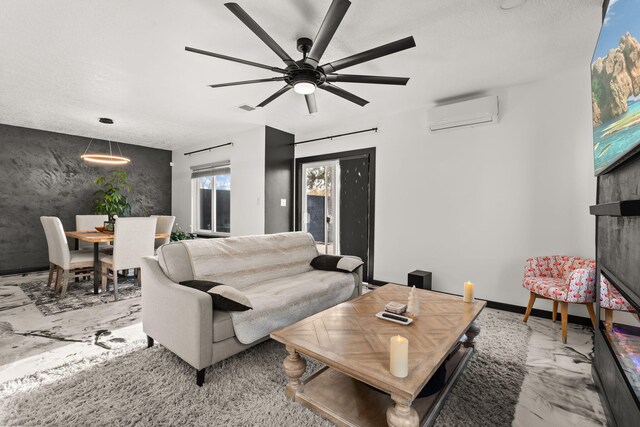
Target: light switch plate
{"points": [[283, 202]]}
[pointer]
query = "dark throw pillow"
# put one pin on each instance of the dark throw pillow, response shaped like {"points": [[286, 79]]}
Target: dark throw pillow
{"points": [[223, 297], [336, 263]]}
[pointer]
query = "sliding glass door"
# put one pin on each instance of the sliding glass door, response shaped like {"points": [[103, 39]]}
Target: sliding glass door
{"points": [[320, 194]]}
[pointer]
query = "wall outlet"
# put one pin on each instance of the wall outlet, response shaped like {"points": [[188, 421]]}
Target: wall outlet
{"points": [[283, 202]]}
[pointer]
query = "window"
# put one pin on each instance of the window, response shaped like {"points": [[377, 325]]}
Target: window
{"points": [[212, 198]]}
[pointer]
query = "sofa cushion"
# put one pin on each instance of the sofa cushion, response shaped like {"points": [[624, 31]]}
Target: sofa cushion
{"points": [[174, 262], [281, 302], [243, 261], [222, 326], [336, 263]]}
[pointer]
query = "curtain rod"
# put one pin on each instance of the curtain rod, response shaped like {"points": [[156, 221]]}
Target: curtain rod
{"points": [[208, 149], [337, 136]]}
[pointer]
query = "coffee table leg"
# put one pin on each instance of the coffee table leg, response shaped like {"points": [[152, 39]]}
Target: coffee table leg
{"points": [[294, 367], [402, 414], [472, 333]]}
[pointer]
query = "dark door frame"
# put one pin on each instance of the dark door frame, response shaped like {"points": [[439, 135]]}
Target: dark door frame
{"points": [[371, 153]]}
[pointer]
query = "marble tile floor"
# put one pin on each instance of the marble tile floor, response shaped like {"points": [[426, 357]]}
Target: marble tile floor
{"points": [[558, 389]]}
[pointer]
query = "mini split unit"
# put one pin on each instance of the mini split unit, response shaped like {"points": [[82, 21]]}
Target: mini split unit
{"points": [[464, 114]]}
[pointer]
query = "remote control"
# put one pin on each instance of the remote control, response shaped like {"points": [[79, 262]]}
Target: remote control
{"points": [[394, 318]]}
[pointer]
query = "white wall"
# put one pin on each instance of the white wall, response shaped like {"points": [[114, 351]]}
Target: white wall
{"points": [[473, 204], [247, 180]]}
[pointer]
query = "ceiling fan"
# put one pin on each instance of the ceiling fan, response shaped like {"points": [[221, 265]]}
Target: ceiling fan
{"points": [[305, 75]]}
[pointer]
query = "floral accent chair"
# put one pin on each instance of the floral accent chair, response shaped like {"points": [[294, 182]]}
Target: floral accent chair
{"points": [[610, 299], [564, 280]]}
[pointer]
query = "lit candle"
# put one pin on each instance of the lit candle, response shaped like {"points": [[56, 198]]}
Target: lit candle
{"points": [[399, 356], [468, 292]]}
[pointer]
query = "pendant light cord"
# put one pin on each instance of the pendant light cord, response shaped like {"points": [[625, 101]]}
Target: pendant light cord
{"points": [[85, 151]]}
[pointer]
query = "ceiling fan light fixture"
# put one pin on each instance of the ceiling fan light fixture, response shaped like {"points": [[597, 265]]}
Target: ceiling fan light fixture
{"points": [[304, 87]]}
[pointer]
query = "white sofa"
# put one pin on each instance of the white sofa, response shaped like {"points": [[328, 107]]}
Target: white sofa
{"points": [[273, 271]]}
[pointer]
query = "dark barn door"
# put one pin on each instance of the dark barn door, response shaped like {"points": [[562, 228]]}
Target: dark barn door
{"points": [[354, 208]]}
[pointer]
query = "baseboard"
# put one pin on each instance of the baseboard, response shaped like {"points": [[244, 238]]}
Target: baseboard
{"points": [[23, 270], [578, 320]]}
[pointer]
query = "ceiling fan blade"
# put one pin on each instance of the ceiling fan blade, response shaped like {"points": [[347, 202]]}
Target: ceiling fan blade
{"points": [[354, 78], [246, 82], [274, 96], [343, 94], [332, 20], [370, 54], [258, 31], [231, 58], [311, 103]]}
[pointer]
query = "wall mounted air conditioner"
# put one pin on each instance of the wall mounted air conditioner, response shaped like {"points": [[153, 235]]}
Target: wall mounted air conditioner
{"points": [[464, 114]]}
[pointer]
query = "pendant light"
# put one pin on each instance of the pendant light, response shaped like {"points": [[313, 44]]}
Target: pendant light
{"points": [[105, 159]]}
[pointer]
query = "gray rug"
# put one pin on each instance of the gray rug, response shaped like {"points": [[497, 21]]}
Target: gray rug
{"points": [[79, 295], [153, 387]]}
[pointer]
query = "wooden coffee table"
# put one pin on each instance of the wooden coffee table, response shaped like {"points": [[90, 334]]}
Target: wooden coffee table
{"points": [[355, 388]]}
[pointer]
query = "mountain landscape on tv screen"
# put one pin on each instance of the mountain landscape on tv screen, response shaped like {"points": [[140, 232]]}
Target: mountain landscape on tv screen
{"points": [[615, 85]]}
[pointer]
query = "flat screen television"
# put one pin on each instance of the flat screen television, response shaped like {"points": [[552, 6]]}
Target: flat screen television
{"points": [[615, 86]]}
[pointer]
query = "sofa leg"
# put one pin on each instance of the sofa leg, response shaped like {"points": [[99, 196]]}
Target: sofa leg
{"points": [[200, 377], [149, 342]]}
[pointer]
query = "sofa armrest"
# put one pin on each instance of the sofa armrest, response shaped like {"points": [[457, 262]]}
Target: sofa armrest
{"points": [[582, 285], [180, 318], [357, 274]]}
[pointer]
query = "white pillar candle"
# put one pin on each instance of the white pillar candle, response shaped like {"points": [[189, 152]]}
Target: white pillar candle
{"points": [[399, 356], [468, 292]]}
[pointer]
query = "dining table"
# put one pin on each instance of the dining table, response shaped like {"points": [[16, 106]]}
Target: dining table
{"points": [[97, 237]]}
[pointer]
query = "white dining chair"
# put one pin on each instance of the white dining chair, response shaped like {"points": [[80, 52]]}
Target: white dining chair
{"points": [[163, 226], [133, 238], [65, 263], [89, 223], [53, 269]]}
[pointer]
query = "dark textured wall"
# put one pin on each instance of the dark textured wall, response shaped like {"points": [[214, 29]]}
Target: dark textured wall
{"points": [[278, 180], [618, 249], [41, 173], [619, 237]]}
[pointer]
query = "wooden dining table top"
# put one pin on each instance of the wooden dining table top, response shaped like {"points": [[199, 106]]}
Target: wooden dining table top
{"points": [[94, 236]]}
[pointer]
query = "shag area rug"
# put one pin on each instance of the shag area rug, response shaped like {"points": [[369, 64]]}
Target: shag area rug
{"points": [[79, 295], [154, 387]]}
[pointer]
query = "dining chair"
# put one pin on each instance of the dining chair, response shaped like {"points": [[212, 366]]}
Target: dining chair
{"points": [[163, 226], [64, 263], [89, 223], [53, 269], [133, 238]]}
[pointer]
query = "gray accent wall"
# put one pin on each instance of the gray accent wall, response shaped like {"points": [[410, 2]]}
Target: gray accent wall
{"points": [[41, 173]]}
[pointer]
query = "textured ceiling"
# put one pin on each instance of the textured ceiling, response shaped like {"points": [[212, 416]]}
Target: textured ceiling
{"points": [[65, 63]]}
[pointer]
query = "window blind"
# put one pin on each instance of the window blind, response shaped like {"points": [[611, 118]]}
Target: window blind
{"points": [[211, 169]]}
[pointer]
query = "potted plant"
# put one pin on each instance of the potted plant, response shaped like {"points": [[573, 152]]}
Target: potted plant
{"points": [[181, 235], [112, 197]]}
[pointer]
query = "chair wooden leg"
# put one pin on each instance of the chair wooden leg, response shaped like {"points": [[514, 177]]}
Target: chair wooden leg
{"points": [[50, 280], [65, 282], [592, 314], [554, 314], [115, 285], [532, 299], [103, 273], [608, 319], [564, 313], [58, 283]]}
